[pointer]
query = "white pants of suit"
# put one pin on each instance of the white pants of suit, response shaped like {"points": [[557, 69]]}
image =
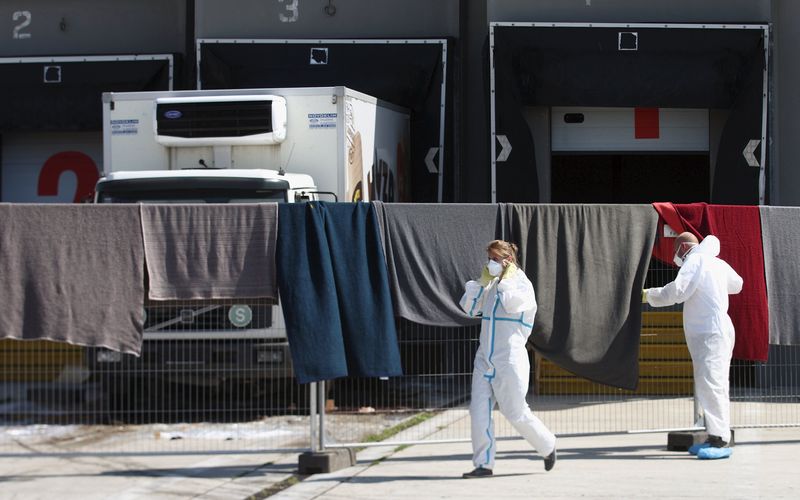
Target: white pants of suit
{"points": [[711, 362], [508, 389]]}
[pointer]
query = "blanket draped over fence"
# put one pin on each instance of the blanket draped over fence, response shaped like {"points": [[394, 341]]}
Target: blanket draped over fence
{"points": [[587, 264], [334, 292], [210, 251], [72, 273], [431, 251], [780, 233], [739, 231]]}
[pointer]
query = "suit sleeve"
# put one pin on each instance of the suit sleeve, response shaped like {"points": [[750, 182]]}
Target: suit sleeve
{"points": [[516, 294], [735, 282], [679, 290], [472, 300]]}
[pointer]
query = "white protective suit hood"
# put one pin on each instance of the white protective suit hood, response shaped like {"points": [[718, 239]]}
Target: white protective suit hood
{"points": [[709, 246]]}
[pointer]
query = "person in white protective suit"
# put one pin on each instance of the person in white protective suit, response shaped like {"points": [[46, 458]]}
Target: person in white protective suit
{"points": [[505, 300], [703, 284]]}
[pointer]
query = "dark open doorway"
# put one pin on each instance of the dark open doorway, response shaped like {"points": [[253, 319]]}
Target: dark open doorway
{"points": [[629, 178]]}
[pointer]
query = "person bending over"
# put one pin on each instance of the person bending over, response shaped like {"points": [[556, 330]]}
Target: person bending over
{"points": [[703, 284]]}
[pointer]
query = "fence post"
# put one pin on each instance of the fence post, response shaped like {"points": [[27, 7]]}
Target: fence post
{"points": [[312, 416], [321, 409]]}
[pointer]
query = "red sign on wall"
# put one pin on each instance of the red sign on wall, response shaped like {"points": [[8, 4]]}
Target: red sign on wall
{"points": [[79, 163]]}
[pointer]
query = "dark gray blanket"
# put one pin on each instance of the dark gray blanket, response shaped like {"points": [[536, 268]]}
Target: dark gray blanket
{"points": [[587, 264], [780, 236], [210, 251], [431, 251], [72, 273]]}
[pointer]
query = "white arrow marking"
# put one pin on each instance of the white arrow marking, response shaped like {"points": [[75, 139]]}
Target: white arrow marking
{"points": [[432, 168], [749, 150], [506, 148]]}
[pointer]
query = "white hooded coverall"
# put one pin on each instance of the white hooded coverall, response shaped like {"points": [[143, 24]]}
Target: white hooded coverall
{"points": [[502, 369], [703, 284]]}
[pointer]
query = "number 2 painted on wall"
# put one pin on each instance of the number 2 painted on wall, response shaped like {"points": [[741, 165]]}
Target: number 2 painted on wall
{"points": [[18, 34], [68, 161], [293, 7]]}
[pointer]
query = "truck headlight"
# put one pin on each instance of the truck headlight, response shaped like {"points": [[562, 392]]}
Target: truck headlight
{"points": [[105, 356]]}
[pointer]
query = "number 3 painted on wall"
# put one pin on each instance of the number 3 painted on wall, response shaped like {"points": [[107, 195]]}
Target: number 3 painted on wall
{"points": [[68, 161], [293, 8]]}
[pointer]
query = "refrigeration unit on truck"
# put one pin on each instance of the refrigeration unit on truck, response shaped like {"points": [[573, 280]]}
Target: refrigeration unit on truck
{"points": [[239, 146]]}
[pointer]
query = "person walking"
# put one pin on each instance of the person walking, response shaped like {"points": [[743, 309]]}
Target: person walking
{"points": [[505, 301]]}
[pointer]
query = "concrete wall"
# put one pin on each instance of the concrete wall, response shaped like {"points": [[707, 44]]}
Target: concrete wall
{"points": [[785, 179], [309, 19], [70, 27], [158, 26], [645, 11]]}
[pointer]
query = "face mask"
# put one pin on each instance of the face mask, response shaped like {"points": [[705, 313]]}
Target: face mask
{"points": [[683, 251], [494, 267]]}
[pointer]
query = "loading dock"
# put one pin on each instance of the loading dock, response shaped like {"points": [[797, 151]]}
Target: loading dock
{"points": [[538, 68], [411, 73]]}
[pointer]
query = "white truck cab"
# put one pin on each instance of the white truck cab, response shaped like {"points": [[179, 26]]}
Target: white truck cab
{"points": [[204, 186]]}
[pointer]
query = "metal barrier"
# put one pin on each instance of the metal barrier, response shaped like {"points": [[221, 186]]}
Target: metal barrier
{"points": [[209, 393], [762, 395], [212, 377]]}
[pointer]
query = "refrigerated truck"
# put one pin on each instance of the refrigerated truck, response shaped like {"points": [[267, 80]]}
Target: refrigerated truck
{"points": [[239, 146], [353, 145]]}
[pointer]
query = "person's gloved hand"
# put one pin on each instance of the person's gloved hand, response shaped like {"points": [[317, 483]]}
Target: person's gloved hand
{"points": [[644, 296], [508, 271], [485, 278]]}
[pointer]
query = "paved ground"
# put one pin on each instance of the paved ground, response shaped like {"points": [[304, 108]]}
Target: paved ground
{"points": [[763, 465]]}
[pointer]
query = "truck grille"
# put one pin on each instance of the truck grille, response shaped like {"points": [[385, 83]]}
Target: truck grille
{"points": [[214, 119], [202, 316]]}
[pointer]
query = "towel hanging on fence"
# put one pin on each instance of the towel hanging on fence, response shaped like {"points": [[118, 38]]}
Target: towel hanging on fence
{"points": [[739, 231], [587, 264], [780, 234], [72, 273], [431, 251], [334, 292], [210, 251]]}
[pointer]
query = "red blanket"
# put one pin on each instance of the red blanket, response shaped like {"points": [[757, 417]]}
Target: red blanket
{"points": [[739, 231]]}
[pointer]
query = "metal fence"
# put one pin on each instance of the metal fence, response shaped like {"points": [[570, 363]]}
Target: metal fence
{"points": [[213, 394]]}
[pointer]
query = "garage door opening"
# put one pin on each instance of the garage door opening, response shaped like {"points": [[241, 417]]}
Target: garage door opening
{"points": [[629, 178], [628, 106], [630, 155]]}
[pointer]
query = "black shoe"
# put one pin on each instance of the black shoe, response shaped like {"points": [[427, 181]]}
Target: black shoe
{"points": [[550, 460], [477, 472], [716, 441]]}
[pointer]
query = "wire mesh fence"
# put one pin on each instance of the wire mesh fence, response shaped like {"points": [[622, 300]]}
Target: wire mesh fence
{"points": [[762, 394], [215, 377]]}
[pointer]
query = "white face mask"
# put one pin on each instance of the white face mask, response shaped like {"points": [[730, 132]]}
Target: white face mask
{"points": [[494, 267], [683, 251]]}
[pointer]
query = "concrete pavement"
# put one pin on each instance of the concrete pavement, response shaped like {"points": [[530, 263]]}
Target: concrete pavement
{"points": [[763, 465]]}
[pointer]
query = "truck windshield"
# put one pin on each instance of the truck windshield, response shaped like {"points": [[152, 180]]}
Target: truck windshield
{"points": [[191, 196]]}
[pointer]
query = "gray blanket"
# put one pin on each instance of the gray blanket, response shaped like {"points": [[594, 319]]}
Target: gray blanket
{"points": [[72, 273], [210, 251], [780, 236], [431, 251], [587, 264]]}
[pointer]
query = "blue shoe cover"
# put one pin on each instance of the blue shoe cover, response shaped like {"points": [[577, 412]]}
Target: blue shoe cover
{"points": [[711, 453], [697, 447]]}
